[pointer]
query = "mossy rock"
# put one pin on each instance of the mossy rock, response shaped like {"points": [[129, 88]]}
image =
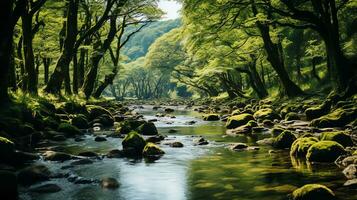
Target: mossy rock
{"points": [[72, 107], [277, 131], [69, 129], [148, 128], [292, 116], [313, 192], [324, 151], [301, 145], [152, 150], [266, 113], [238, 120], [211, 117], [97, 111], [80, 121], [133, 143], [106, 120], [252, 123], [7, 148], [318, 111], [284, 140], [338, 118], [338, 136], [50, 122], [236, 112]]}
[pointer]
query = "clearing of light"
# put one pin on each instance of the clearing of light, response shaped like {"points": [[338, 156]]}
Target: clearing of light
{"points": [[171, 8]]}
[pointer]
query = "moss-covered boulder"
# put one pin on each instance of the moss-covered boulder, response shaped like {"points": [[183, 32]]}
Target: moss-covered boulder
{"points": [[284, 140], [238, 120], [7, 148], [106, 120], [277, 131], [338, 136], [69, 129], [338, 118], [318, 111], [292, 116], [324, 151], [148, 128], [56, 156], [8, 185], [96, 111], [313, 192], [80, 121], [73, 107], [133, 144], [211, 117], [266, 113], [152, 150], [301, 145]]}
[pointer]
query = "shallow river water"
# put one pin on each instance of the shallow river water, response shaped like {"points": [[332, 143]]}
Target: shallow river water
{"points": [[192, 172]]}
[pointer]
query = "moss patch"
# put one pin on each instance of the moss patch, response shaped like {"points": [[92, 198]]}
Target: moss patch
{"points": [[68, 129], [313, 192], [338, 118], [338, 136], [284, 140], [266, 113], [152, 149], [300, 146], [238, 120], [324, 151]]}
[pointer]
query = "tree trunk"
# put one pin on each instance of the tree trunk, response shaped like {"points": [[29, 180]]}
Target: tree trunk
{"points": [[61, 71], [46, 66], [81, 66], [257, 82], [75, 74], [313, 71], [6, 33], [30, 70], [97, 55], [108, 80]]}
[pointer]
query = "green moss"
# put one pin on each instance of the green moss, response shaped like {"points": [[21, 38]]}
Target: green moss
{"points": [[301, 145], [338, 136], [7, 148], [266, 113], [238, 120], [284, 140], [69, 129], [236, 112], [148, 128], [252, 123], [318, 111], [152, 149], [313, 192], [292, 116], [324, 151], [134, 143], [338, 118], [211, 117]]}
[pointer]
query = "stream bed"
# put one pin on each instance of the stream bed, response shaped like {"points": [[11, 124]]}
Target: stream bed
{"points": [[193, 172]]}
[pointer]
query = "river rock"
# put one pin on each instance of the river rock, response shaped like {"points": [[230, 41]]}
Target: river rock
{"points": [[155, 139], [152, 150], [133, 144], [33, 174], [211, 117], [115, 153], [82, 162], [56, 156], [80, 121], [238, 146], [69, 130], [351, 183], [176, 144], [325, 151], [88, 154], [351, 171], [100, 139], [313, 192], [284, 140], [338, 136], [147, 128], [238, 120], [7, 148], [47, 188], [109, 183], [301, 145], [200, 141]]}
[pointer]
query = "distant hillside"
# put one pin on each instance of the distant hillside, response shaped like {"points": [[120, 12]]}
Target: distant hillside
{"points": [[139, 44]]}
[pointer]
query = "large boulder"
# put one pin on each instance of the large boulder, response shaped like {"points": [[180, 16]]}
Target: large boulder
{"points": [[211, 117], [80, 121], [301, 145], [147, 128], [324, 151], [69, 130], [106, 120], [8, 185], [33, 174], [152, 150], [7, 148], [318, 111], [97, 111], [133, 144], [238, 120], [338, 118], [266, 113], [313, 192], [284, 140], [338, 136]]}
